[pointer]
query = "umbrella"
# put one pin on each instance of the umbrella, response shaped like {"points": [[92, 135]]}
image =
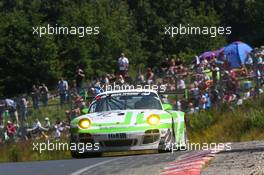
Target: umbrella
{"points": [[211, 54], [207, 55], [236, 53]]}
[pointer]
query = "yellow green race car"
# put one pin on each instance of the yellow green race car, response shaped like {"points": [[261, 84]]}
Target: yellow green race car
{"points": [[128, 120]]}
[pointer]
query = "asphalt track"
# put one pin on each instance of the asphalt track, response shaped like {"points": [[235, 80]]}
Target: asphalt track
{"points": [[117, 165]]}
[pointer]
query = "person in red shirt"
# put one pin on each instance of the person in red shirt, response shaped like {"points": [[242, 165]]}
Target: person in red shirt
{"points": [[10, 129]]}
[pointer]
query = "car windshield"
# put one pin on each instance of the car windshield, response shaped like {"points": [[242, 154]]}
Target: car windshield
{"points": [[122, 101]]}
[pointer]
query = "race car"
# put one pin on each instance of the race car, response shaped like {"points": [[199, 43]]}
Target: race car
{"points": [[128, 120]]}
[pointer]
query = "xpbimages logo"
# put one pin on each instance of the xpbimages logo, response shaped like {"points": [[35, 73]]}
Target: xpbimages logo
{"points": [[212, 31], [80, 31], [198, 146], [63, 146]]}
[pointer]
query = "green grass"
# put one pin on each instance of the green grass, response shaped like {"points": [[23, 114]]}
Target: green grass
{"points": [[23, 151], [227, 123], [52, 111]]}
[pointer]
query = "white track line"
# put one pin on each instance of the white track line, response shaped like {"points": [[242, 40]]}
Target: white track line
{"points": [[93, 166]]}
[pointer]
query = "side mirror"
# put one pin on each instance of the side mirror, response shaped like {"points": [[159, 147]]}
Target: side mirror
{"points": [[85, 111], [166, 106]]}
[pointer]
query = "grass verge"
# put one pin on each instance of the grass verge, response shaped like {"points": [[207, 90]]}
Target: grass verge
{"points": [[228, 124]]}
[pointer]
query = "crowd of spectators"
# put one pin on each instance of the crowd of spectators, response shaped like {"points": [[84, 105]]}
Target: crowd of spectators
{"points": [[197, 86], [200, 85]]}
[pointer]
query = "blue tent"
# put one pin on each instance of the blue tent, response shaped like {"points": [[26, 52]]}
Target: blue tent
{"points": [[236, 53]]}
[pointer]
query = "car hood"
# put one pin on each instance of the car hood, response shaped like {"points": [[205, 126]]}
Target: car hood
{"points": [[121, 117]]}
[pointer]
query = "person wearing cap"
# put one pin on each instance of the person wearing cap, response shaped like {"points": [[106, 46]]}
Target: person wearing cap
{"points": [[47, 124], [36, 126]]}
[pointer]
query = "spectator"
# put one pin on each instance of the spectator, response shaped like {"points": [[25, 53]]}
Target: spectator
{"points": [[165, 66], [44, 91], [11, 130], [105, 80], [191, 108], [195, 94], [36, 126], [23, 110], [239, 102], [79, 78], [249, 61], [11, 105], [179, 105], [170, 84], [215, 73], [1, 118], [63, 90], [35, 97], [58, 128], [180, 84], [208, 104], [120, 80], [140, 79], [171, 70], [150, 76], [96, 90], [247, 94], [229, 97], [38, 129], [178, 62], [6, 116], [203, 102], [214, 94], [2, 134], [234, 79], [259, 58], [123, 65], [47, 124], [2, 109]]}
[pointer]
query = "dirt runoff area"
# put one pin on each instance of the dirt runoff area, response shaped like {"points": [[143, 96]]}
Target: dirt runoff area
{"points": [[245, 158]]}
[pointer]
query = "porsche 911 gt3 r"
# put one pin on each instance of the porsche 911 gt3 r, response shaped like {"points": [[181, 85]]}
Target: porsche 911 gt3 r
{"points": [[129, 120]]}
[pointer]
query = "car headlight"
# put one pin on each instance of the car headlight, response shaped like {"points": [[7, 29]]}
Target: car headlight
{"points": [[153, 119], [84, 123]]}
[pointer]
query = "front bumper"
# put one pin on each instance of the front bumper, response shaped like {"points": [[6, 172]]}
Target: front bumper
{"points": [[145, 140]]}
